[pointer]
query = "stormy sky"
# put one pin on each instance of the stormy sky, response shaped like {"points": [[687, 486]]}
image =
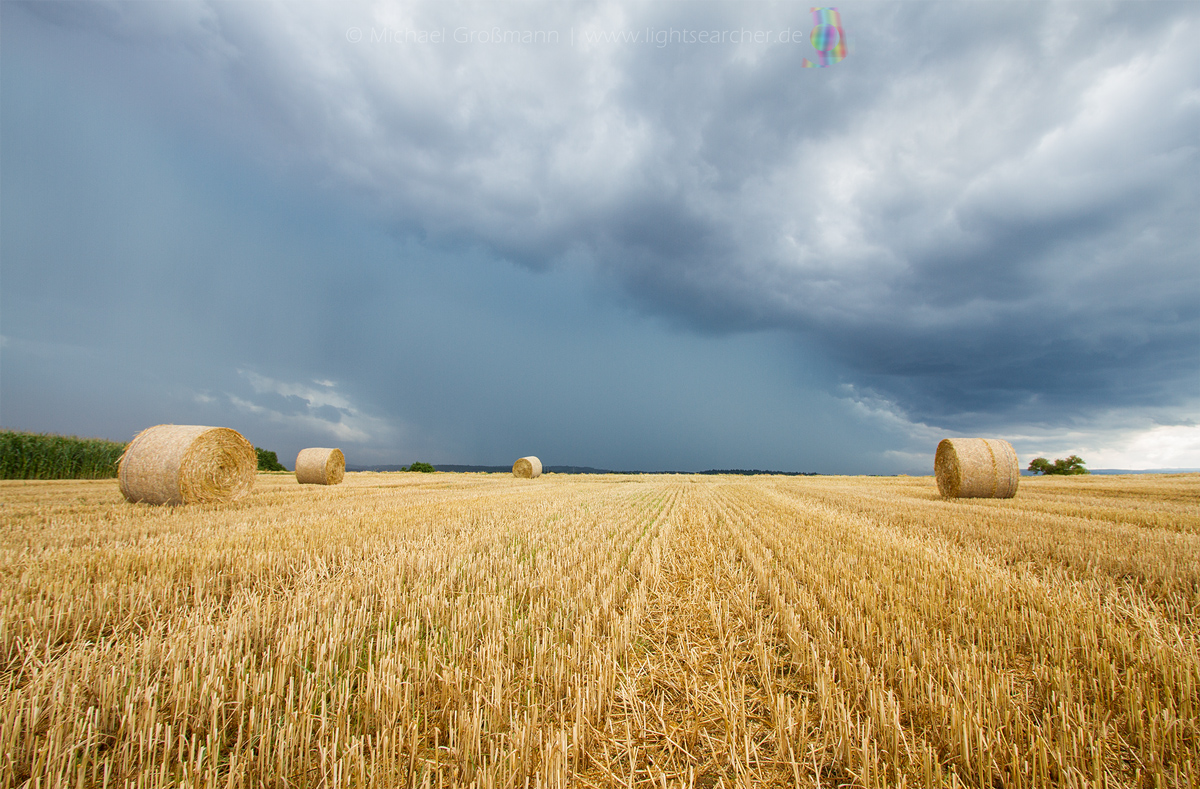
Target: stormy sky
{"points": [[615, 234]]}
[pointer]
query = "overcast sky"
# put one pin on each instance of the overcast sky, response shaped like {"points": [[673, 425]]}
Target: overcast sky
{"points": [[615, 234]]}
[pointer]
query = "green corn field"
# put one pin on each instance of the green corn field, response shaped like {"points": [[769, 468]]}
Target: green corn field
{"points": [[48, 456]]}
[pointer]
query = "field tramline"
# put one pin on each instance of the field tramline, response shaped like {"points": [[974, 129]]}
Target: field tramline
{"points": [[567, 631]]}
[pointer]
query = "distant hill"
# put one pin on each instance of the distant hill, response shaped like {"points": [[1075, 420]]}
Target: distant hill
{"points": [[376, 468], [489, 469], [580, 470], [496, 469], [742, 471], [750, 472], [1144, 470], [1028, 473]]}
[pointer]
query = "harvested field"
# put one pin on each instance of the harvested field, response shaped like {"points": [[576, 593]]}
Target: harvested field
{"points": [[603, 631]]}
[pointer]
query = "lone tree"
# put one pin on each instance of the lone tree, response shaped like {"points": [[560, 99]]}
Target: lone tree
{"points": [[268, 461], [419, 466], [1071, 464]]}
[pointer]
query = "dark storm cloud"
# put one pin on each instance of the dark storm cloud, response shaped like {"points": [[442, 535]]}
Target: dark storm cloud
{"points": [[986, 209], [988, 231]]}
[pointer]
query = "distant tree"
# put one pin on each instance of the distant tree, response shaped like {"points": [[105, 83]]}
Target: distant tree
{"points": [[1041, 466], [1070, 465], [418, 466], [268, 461]]}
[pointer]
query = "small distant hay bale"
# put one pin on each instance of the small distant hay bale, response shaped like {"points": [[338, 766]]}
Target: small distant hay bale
{"points": [[320, 466], [976, 468], [187, 464], [527, 467]]}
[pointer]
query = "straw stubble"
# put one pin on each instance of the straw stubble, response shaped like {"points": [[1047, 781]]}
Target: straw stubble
{"points": [[604, 631]]}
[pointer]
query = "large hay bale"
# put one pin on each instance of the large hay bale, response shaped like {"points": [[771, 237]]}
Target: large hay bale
{"points": [[976, 468], [187, 464], [527, 467], [320, 466]]}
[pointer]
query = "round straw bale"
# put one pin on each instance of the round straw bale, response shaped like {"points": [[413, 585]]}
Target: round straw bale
{"points": [[320, 466], [976, 468], [527, 467], [186, 464]]}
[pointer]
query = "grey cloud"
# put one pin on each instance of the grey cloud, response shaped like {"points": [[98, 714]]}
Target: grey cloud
{"points": [[985, 207], [287, 405], [330, 413]]}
